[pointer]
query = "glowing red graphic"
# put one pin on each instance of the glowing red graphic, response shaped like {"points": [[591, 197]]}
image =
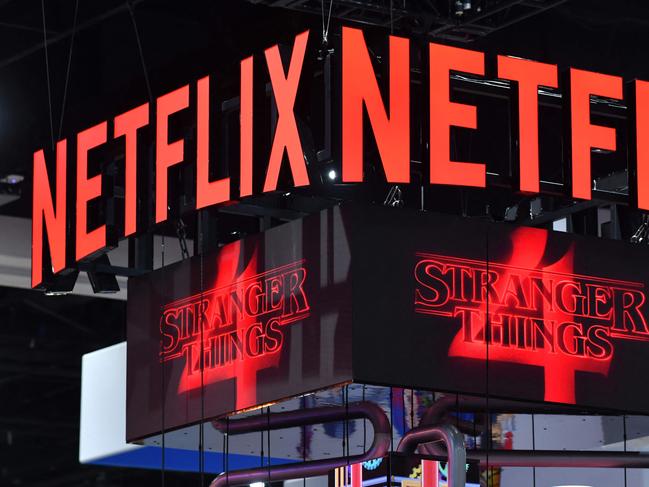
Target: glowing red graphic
{"points": [[530, 313], [243, 316]]}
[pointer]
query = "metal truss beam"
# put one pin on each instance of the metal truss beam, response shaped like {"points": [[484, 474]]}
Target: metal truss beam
{"points": [[423, 17]]}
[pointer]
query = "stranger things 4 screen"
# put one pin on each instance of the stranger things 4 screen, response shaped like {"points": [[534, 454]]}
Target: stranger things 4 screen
{"points": [[434, 302], [514, 312], [263, 319]]}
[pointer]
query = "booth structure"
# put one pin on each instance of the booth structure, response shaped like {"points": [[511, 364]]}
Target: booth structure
{"points": [[336, 348], [348, 246]]}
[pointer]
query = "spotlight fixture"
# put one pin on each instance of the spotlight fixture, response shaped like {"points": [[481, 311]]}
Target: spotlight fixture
{"points": [[536, 207], [459, 8], [332, 174], [641, 235], [511, 213], [12, 179], [394, 198], [10, 188]]}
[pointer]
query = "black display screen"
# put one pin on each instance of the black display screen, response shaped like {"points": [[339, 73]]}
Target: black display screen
{"points": [[469, 306], [434, 302], [275, 311]]}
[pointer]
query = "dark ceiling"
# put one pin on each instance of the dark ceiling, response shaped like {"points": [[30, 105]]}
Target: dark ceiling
{"points": [[103, 57], [98, 68], [42, 340]]}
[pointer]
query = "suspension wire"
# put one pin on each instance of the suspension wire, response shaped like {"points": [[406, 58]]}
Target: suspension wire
{"points": [[342, 391], [181, 233], [163, 408], [68, 69], [625, 440], [533, 449], [145, 72], [412, 408], [47, 72], [202, 320], [403, 408], [303, 442], [261, 441], [268, 439], [331, 4], [488, 339], [475, 431], [146, 78], [140, 50], [348, 476], [227, 450], [223, 448], [364, 425], [325, 29], [391, 421], [391, 442], [347, 420], [344, 435], [162, 420], [323, 19]]}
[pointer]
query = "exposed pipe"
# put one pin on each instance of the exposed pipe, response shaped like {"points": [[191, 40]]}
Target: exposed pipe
{"points": [[423, 435], [359, 410], [455, 450], [434, 415], [561, 458], [440, 412]]}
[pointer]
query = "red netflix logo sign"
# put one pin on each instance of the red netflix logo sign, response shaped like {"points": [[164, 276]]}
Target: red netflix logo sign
{"points": [[361, 101], [530, 313], [237, 328]]}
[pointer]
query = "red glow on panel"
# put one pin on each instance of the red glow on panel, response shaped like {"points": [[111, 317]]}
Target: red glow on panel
{"points": [[360, 88], [532, 313], [88, 189], [239, 321], [44, 208], [585, 136], [445, 114], [286, 133]]}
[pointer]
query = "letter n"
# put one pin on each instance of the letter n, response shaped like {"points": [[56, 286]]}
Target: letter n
{"points": [[43, 208], [392, 132]]}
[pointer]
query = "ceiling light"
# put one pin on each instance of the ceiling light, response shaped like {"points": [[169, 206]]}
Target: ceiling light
{"points": [[12, 179], [10, 188]]}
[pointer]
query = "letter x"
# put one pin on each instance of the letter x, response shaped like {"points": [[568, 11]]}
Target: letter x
{"points": [[286, 134]]}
